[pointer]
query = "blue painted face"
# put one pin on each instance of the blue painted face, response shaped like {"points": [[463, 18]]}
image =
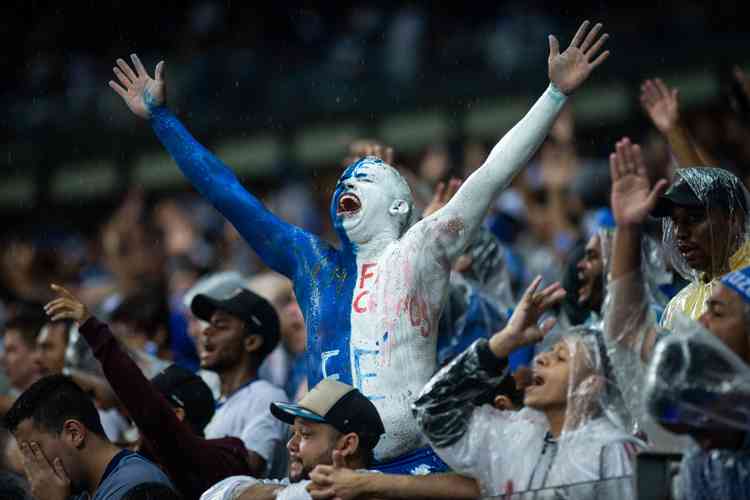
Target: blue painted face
{"points": [[361, 203]]}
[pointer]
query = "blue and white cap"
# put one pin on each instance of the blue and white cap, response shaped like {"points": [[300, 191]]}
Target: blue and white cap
{"points": [[739, 281]]}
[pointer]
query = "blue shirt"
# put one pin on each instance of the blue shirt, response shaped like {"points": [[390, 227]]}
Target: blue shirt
{"points": [[126, 471]]}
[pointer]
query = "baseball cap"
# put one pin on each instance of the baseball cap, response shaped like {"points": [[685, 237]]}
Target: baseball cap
{"points": [[254, 310], [184, 389], [719, 188], [339, 405]]}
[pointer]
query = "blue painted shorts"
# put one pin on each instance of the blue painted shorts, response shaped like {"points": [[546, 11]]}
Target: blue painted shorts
{"points": [[419, 462]]}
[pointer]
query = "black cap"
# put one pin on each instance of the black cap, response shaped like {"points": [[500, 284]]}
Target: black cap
{"points": [[184, 389], [257, 313], [339, 405], [719, 188]]}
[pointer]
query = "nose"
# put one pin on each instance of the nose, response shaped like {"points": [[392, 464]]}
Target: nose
{"points": [[704, 320], [542, 360], [682, 231], [293, 444], [581, 265]]}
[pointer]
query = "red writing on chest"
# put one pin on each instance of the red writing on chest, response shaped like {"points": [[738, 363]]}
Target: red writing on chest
{"points": [[412, 304]]}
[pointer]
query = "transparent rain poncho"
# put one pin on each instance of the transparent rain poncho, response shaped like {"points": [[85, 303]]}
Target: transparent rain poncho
{"points": [[653, 263], [479, 298], [695, 382], [728, 232], [514, 452]]}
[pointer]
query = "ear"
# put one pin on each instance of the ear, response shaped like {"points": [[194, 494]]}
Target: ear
{"points": [[348, 444], [74, 433], [399, 208], [253, 343], [503, 403], [161, 336], [180, 412]]}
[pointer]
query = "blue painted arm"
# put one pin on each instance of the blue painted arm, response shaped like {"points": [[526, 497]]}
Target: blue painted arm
{"points": [[284, 247]]}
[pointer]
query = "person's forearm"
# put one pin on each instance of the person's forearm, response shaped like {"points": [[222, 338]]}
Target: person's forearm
{"points": [[444, 407], [261, 492], [145, 405], [505, 160], [686, 150], [627, 315], [103, 393], [435, 486], [626, 251]]}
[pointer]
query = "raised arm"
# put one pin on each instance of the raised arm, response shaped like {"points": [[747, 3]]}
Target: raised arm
{"points": [[633, 199], [145, 404], [567, 71], [444, 407], [282, 246], [662, 105]]}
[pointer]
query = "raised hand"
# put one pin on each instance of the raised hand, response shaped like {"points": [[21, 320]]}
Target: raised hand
{"points": [[743, 80], [336, 481], [632, 196], [49, 481], [662, 104], [139, 91], [522, 329], [368, 147], [443, 194], [66, 306], [571, 68]]}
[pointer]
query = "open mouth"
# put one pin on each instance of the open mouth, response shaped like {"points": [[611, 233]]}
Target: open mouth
{"points": [[536, 381], [349, 204]]}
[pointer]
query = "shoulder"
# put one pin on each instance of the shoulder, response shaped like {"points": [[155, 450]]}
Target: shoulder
{"points": [[138, 464], [131, 471], [265, 390]]}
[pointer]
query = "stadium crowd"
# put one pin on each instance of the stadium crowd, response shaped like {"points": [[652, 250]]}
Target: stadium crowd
{"points": [[521, 322]]}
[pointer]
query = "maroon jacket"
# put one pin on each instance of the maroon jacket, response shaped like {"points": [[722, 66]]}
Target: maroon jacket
{"points": [[192, 462]]}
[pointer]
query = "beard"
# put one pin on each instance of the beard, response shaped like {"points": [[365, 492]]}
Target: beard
{"points": [[300, 471]]}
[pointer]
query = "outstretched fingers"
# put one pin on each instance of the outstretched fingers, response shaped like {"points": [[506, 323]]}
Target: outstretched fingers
{"points": [[598, 45], [159, 71], [590, 37], [580, 34], [118, 88], [124, 80], [531, 290], [138, 65], [126, 69]]}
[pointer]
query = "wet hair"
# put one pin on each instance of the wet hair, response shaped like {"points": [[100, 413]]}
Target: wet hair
{"points": [[13, 487], [50, 402], [27, 322], [147, 311], [152, 491]]}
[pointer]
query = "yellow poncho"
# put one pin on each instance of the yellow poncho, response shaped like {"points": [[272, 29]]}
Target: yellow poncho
{"points": [[692, 299]]}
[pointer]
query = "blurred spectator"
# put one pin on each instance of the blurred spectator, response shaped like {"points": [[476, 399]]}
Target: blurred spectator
{"points": [[64, 447], [19, 343], [175, 399], [568, 428], [286, 366], [243, 330]]}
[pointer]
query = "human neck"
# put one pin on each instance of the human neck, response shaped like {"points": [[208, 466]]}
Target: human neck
{"points": [[96, 458], [556, 419], [233, 378]]}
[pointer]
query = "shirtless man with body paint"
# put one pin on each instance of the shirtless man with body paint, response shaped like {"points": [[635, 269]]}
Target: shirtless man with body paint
{"points": [[371, 307]]}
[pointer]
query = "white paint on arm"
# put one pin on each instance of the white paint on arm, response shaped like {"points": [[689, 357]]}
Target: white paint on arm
{"points": [[464, 213]]}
